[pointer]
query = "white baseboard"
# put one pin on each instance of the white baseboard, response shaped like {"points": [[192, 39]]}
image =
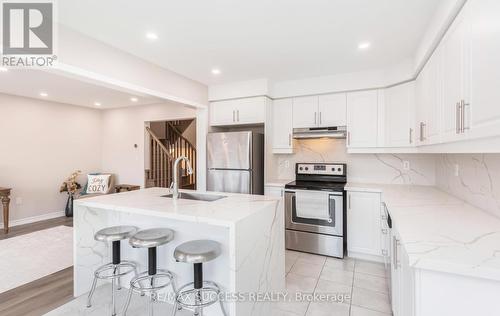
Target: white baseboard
{"points": [[33, 219]]}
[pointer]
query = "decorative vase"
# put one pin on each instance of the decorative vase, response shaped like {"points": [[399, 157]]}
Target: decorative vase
{"points": [[69, 206]]}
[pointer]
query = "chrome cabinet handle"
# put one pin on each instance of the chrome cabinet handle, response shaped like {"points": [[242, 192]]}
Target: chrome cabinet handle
{"points": [[411, 135], [349, 201], [289, 139], [422, 126], [315, 118], [238, 115], [233, 115], [320, 119], [463, 115], [394, 253], [348, 138], [457, 118]]}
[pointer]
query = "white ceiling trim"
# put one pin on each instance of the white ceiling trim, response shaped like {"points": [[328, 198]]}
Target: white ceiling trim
{"points": [[102, 80]]}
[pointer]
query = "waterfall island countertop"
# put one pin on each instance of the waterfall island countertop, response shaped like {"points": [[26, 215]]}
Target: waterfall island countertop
{"points": [[249, 229]]}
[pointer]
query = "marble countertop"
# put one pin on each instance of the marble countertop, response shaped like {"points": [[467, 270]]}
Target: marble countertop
{"points": [[277, 182], [149, 202], [441, 232]]}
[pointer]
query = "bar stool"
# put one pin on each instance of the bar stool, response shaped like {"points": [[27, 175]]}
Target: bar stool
{"points": [[117, 268], [198, 294], [154, 279]]}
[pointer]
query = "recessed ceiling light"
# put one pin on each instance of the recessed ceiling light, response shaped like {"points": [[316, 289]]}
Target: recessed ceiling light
{"points": [[97, 104], [151, 36], [44, 94], [216, 71], [3, 69], [134, 99], [364, 45]]}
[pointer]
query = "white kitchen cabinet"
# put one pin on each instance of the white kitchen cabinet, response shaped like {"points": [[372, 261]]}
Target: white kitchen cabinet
{"points": [[274, 191], [429, 103], [281, 128], [399, 115], [362, 119], [320, 111], [332, 109], [305, 112], [455, 63], [482, 117], [364, 225], [238, 111]]}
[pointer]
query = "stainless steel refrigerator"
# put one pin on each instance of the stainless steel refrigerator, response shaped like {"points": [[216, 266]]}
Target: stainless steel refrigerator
{"points": [[235, 162]]}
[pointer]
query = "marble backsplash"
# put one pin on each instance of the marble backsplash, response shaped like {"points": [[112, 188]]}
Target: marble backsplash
{"points": [[368, 168], [474, 178]]}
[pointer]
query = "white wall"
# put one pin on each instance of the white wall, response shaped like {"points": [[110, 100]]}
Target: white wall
{"points": [[42, 143], [367, 168], [477, 181], [124, 127]]}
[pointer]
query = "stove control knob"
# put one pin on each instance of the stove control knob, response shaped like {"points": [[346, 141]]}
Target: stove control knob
{"points": [[307, 168], [339, 169], [301, 168], [333, 169]]}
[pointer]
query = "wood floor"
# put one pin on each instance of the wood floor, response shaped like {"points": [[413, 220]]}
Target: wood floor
{"points": [[45, 294]]}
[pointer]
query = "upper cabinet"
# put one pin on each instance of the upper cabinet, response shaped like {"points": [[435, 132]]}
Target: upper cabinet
{"points": [[428, 92], [319, 111], [332, 109], [399, 115], [238, 111], [362, 119], [305, 111], [482, 116], [281, 126], [455, 63]]}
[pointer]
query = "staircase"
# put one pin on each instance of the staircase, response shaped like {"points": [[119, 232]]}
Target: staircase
{"points": [[164, 152]]}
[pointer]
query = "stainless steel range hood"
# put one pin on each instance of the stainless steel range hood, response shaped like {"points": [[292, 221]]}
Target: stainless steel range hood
{"points": [[320, 132]]}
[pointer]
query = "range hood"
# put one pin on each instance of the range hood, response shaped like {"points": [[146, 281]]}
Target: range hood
{"points": [[320, 132]]}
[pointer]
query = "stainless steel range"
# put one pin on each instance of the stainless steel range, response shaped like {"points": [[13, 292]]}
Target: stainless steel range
{"points": [[314, 209]]}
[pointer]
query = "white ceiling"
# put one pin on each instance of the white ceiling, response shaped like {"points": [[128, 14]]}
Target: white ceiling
{"points": [[274, 39], [30, 83]]}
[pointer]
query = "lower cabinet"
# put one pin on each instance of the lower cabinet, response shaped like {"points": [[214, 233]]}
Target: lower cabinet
{"points": [[274, 191], [364, 225], [402, 279]]}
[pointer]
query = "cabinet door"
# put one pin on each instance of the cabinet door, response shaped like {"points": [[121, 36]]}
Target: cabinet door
{"points": [[273, 191], [362, 119], [454, 50], [332, 110], [223, 113], [407, 284], [482, 118], [363, 223], [429, 86], [395, 274], [282, 126], [305, 112], [399, 115], [250, 110]]}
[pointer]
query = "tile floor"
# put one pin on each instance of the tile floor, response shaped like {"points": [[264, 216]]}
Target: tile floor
{"points": [[360, 287]]}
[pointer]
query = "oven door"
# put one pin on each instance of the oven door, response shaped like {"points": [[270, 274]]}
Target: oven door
{"points": [[334, 226]]}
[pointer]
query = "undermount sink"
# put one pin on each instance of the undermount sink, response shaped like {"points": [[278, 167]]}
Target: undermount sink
{"points": [[197, 196]]}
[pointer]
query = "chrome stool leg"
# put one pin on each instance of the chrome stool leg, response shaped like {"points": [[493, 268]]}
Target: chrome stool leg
{"points": [[91, 293]]}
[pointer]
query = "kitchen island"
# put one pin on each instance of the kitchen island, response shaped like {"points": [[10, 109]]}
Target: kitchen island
{"points": [[250, 229]]}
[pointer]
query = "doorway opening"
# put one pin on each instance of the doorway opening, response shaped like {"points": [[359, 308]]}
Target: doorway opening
{"points": [[166, 141]]}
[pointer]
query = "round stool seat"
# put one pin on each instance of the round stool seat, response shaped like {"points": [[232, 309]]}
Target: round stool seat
{"points": [[150, 238], [197, 251], [115, 233]]}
